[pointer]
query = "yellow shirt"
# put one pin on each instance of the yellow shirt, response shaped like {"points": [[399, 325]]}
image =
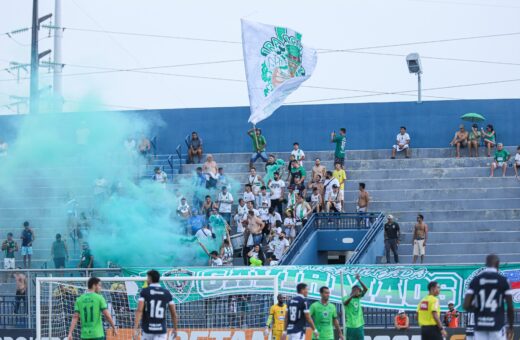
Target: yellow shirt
{"points": [[277, 314], [341, 176], [425, 310]]}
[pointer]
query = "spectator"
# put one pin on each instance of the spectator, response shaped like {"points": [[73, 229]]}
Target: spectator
{"points": [[279, 245], [264, 197], [207, 206], [516, 165], [3, 148], [474, 140], [130, 146], [145, 146], [289, 167], [256, 253], [21, 292], [59, 252], [402, 143], [226, 251], [210, 171], [9, 247], [392, 236], [298, 153], [341, 142], [200, 179], [159, 176], [225, 202], [256, 183], [241, 215], [223, 179], [255, 226], [401, 321], [341, 176], [251, 207], [489, 138], [184, 210], [27, 243], [334, 200], [275, 219], [248, 194], [196, 221], [276, 186], [500, 160], [329, 182], [420, 236], [460, 140], [302, 211], [194, 148], [317, 183], [83, 227], [362, 202], [318, 169], [271, 160], [204, 233], [316, 199], [451, 318], [289, 224], [259, 144], [298, 175], [291, 199], [214, 256], [87, 259], [264, 216]]}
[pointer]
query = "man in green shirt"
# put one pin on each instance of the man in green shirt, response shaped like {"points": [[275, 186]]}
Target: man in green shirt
{"points": [[88, 310], [259, 144], [340, 141], [325, 316], [9, 247], [354, 312], [87, 259], [500, 160]]}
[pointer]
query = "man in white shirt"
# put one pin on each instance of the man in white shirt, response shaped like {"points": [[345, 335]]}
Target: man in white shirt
{"points": [[328, 184], [402, 143], [516, 165], [276, 186], [183, 210], [225, 201], [279, 245], [241, 215], [203, 233], [298, 153]]}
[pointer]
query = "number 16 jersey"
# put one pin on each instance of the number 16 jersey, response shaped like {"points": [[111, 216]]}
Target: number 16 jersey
{"points": [[156, 303]]}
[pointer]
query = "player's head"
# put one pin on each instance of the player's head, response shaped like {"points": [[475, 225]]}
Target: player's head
{"points": [[324, 293], [492, 261], [302, 289], [94, 284], [356, 290], [434, 288], [279, 298], [153, 276], [26, 224]]}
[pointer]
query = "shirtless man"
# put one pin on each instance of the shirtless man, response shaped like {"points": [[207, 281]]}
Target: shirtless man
{"points": [[210, 170], [362, 203], [20, 291], [255, 226], [420, 235], [460, 139], [318, 169]]}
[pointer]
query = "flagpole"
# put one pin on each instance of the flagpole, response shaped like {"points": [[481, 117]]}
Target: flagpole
{"points": [[255, 137]]}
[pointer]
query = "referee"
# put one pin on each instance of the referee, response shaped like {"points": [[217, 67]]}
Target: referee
{"points": [[428, 312]]}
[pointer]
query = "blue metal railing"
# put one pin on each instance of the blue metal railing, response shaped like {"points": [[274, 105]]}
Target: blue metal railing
{"points": [[178, 151], [366, 242]]}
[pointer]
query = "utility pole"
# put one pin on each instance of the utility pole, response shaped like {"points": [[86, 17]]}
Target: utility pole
{"points": [[34, 94], [57, 76]]}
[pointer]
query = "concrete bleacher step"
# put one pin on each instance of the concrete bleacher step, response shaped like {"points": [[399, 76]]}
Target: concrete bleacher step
{"points": [[458, 204], [396, 183], [461, 236], [454, 256], [457, 216], [473, 226], [437, 194], [463, 248]]}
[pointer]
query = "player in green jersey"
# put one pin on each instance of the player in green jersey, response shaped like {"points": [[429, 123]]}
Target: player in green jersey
{"points": [[325, 316], [88, 309], [354, 312]]}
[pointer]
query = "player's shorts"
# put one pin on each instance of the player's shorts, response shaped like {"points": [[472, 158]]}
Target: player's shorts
{"points": [[418, 248], [296, 336], [356, 333], [431, 333], [277, 335], [27, 251], [9, 263], [148, 336], [490, 335]]}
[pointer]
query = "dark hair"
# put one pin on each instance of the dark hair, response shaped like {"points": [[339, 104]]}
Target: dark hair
{"points": [[343, 130], [248, 185], [277, 173], [207, 196], [251, 168], [300, 286], [92, 282], [220, 168], [329, 173], [271, 210], [322, 289], [420, 216], [9, 234], [403, 127], [214, 252], [154, 275], [194, 133], [199, 168], [58, 235], [362, 185], [263, 187], [240, 199], [432, 285], [518, 147], [224, 187], [316, 189], [26, 224], [490, 126], [296, 143]]}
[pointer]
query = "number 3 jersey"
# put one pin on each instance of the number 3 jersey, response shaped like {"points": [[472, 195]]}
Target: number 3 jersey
{"points": [[156, 303], [489, 289], [296, 308]]}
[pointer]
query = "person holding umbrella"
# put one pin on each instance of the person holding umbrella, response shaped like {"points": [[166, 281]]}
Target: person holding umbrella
{"points": [[474, 139]]}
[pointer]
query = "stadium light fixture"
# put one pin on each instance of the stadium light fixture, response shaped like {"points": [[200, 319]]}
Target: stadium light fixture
{"points": [[413, 61]]}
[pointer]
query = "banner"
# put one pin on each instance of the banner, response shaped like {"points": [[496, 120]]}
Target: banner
{"points": [[390, 287], [276, 65]]}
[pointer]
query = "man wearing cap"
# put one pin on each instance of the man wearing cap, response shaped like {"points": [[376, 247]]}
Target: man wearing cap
{"points": [[460, 140], [401, 321], [451, 318], [500, 160], [392, 235]]}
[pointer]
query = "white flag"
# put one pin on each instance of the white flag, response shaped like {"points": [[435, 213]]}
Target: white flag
{"points": [[276, 65]]}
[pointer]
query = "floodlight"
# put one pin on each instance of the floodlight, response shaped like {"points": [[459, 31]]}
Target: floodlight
{"points": [[413, 61]]}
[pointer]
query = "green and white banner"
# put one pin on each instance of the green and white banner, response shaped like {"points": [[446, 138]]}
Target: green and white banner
{"points": [[390, 287], [276, 65]]}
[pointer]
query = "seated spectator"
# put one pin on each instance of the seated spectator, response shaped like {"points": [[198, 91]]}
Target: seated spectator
{"points": [[3, 148], [340, 174], [248, 194], [489, 138], [59, 252], [401, 321], [241, 215], [334, 203], [264, 197], [298, 175], [225, 202], [316, 200], [460, 140], [159, 176], [298, 153], [279, 245], [194, 148], [402, 143], [257, 254], [474, 140], [451, 318], [318, 169], [289, 224], [275, 220], [204, 233], [329, 182], [255, 226], [276, 185], [184, 210], [145, 146], [210, 171], [302, 211], [256, 183], [87, 259], [516, 165], [259, 144], [500, 160], [9, 247]]}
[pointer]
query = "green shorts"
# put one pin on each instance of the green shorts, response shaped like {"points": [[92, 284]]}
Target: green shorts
{"points": [[356, 333]]}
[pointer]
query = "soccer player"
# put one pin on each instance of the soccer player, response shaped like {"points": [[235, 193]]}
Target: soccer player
{"points": [[485, 297], [298, 314], [429, 314], [152, 304], [276, 318], [88, 309], [325, 316], [354, 311]]}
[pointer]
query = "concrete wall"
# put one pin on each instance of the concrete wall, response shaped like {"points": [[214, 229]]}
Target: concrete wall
{"points": [[369, 126]]}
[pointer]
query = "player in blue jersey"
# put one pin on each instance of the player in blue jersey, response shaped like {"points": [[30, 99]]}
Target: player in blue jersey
{"points": [[298, 315]]}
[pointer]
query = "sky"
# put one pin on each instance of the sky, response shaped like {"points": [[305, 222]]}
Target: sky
{"points": [[189, 53]]}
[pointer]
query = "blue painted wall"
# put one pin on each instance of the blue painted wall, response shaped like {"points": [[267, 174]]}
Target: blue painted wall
{"points": [[369, 126], [332, 240]]}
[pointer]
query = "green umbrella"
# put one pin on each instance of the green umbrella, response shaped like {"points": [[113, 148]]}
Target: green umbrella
{"points": [[473, 117]]}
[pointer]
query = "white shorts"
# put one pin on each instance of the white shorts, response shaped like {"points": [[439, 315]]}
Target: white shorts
{"points": [[418, 248], [364, 209], [296, 336], [491, 335], [147, 336], [9, 263], [342, 194], [498, 164], [396, 147]]}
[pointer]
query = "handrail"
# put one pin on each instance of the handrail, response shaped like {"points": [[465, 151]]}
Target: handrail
{"points": [[178, 150], [362, 247], [186, 140], [153, 142], [297, 242]]}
